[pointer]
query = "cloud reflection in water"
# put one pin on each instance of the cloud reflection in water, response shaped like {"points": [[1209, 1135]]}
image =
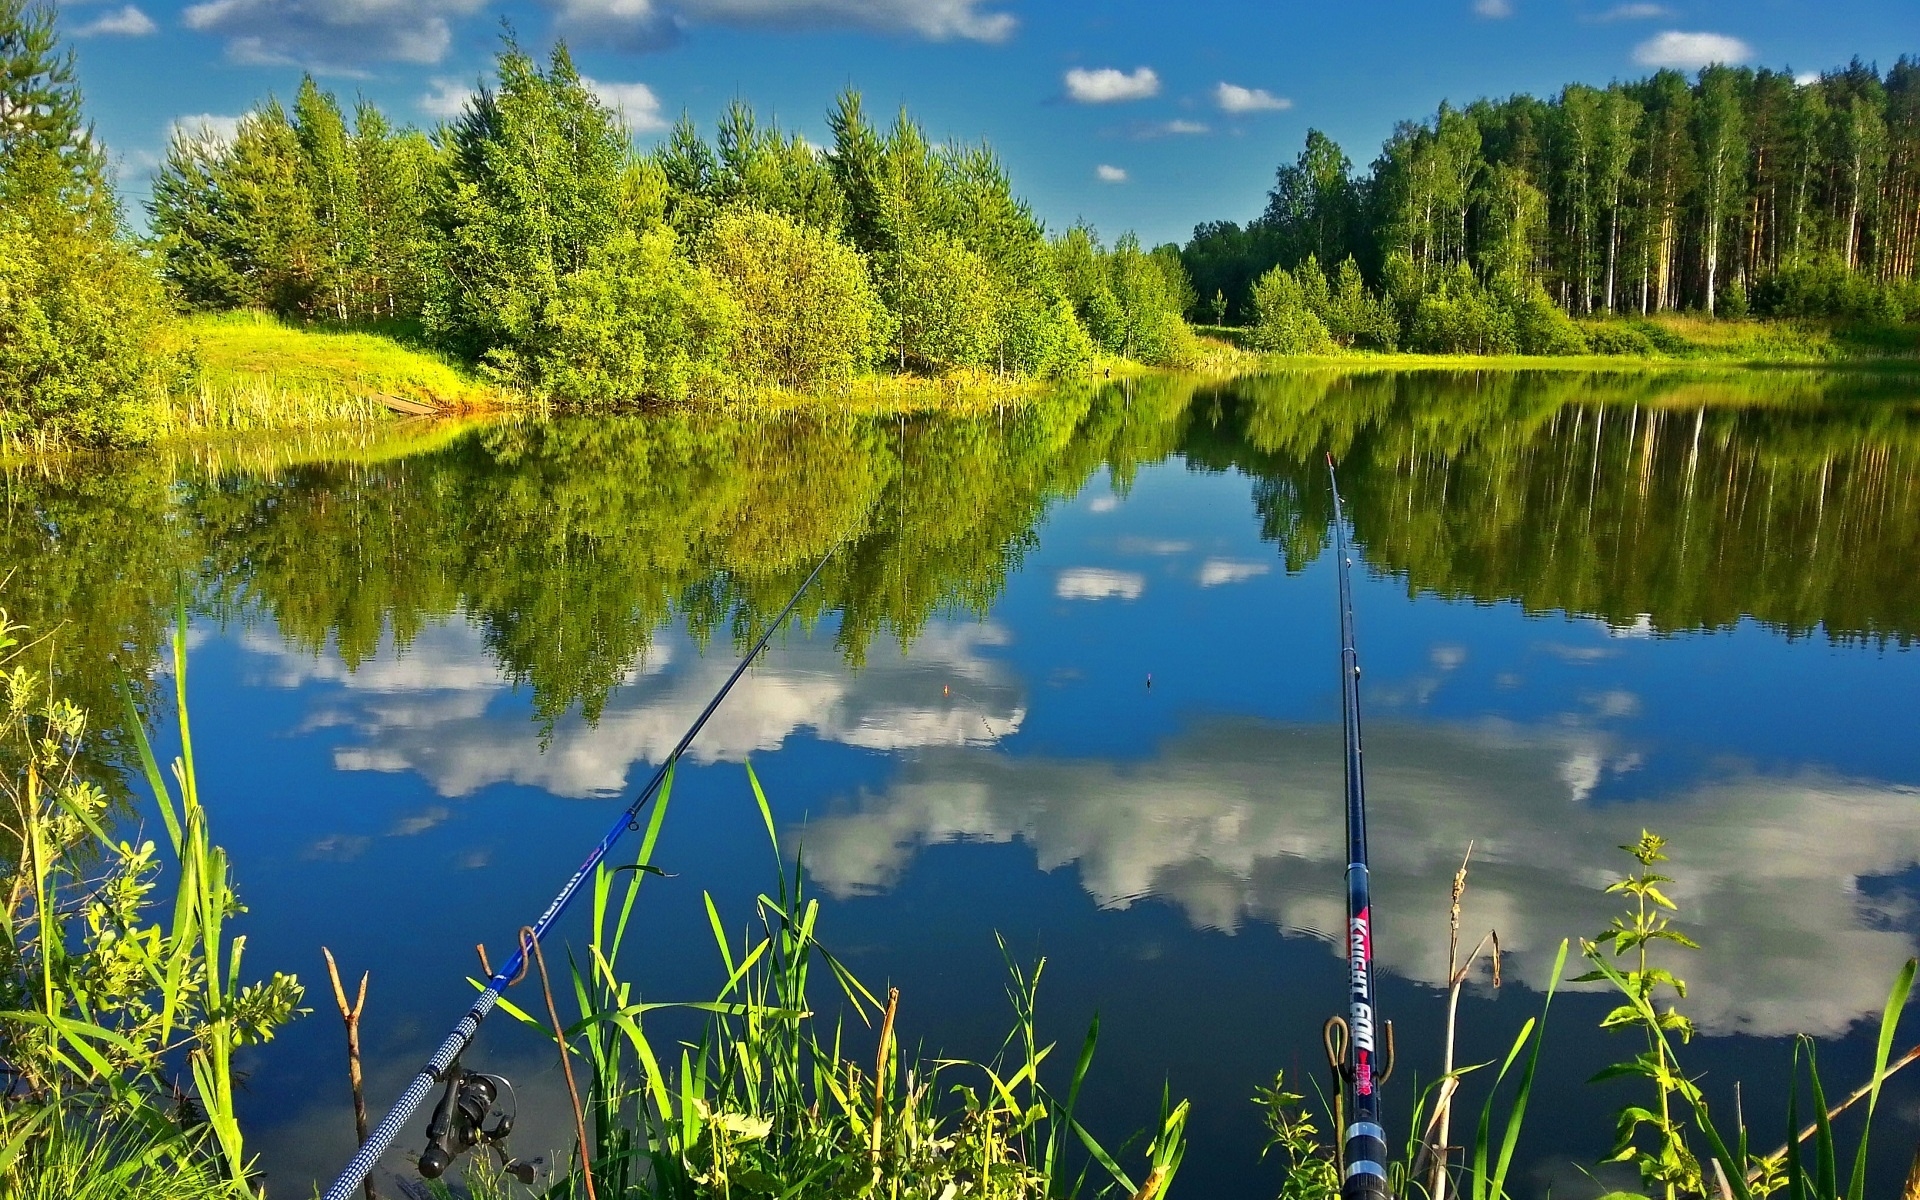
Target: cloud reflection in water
{"points": [[1240, 820], [430, 709]]}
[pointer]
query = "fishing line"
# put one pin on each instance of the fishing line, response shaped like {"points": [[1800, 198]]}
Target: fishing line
{"points": [[441, 1064], [1364, 1157]]}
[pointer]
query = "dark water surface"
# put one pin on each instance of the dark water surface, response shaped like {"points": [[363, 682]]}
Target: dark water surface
{"points": [[1590, 605]]}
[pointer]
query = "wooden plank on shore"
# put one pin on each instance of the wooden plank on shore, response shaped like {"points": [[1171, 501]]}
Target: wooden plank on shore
{"points": [[406, 407]]}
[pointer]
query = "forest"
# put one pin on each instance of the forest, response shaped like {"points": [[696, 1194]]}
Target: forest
{"points": [[1740, 191]]}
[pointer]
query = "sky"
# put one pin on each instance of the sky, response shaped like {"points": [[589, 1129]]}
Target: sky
{"points": [[1124, 113]]}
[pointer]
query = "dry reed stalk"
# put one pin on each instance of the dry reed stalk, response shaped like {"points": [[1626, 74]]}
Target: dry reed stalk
{"points": [[1434, 1142], [351, 1016], [880, 1070]]}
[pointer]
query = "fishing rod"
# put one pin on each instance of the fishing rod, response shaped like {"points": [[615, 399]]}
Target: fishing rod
{"points": [[457, 1110], [1358, 1062]]}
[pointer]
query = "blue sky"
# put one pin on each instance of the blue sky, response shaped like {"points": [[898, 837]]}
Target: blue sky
{"points": [[1130, 114]]}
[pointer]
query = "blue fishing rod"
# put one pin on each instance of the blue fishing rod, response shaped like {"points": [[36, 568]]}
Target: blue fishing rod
{"points": [[1358, 1062], [469, 1095]]}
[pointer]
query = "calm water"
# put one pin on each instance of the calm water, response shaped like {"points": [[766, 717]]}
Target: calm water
{"points": [[1073, 680]]}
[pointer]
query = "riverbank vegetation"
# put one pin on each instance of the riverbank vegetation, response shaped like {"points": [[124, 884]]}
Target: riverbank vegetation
{"points": [[1532, 226]]}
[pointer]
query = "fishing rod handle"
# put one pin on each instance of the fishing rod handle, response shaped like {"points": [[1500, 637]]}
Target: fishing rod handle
{"points": [[430, 1077]]}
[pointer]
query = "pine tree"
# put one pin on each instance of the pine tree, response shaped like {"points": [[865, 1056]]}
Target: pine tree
{"points": [[80, 312]]}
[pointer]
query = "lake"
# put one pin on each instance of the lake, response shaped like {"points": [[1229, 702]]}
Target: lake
{"points": [[1070, 678]]}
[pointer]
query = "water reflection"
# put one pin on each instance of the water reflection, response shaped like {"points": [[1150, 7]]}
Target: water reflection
{"points": [[1670, 501], [1239, 821], [436, 709]]}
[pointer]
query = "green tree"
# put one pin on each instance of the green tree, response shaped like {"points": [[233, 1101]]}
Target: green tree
{"points": [[394, 170], [1312, 206], [1721, 135], [540, 180], [81, 320], [330, 177]]}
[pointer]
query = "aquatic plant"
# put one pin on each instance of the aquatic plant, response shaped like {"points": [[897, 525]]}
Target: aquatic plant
{"points": [[100, 1005]]}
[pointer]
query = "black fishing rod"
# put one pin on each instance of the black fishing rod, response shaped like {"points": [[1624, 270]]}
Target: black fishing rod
{"points": [[1364, 1157], [440, 1068]]}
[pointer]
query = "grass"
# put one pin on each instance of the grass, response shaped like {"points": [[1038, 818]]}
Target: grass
{"points": [[773, 1100], [254, 372], [1653, 342]]}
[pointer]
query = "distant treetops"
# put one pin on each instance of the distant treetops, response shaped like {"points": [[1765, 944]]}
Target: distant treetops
{"points": [[1486, 226], [529, 235]]}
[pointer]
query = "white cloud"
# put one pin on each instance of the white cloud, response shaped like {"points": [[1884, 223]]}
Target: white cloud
{"points": [[446, 99], [1493, 10], [1635, 12], [1108, 174], [1104, 504], [204, 127], [1239, 821], [633, 101], [1233, 98], [1108, 85], [1177, 127], [1098, 583], [653, 24], [430, 708], [325, 35], [1216, 571], [1147, 545], [1806, 78], [1690, 51], [125, 22]]}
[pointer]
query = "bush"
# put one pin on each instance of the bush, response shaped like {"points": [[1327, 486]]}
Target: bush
{"points": [[946, 301], [805, 313], [1284, 323], [1826, 288], [636, 322], [1460, 316], [1041, 339], [80, 329], [1733, 300], [1539, 325], [1618, 337]]}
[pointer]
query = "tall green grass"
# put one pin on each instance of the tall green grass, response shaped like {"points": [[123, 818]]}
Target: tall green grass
{"points": [[101, 1004], [773, 1100]]}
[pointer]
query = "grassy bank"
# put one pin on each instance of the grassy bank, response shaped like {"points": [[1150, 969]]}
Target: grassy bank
{"points": [[254, 372], [1662, 339]]}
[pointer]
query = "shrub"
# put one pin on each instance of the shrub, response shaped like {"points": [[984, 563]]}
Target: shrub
{"points": [[1826, 288], [1618, 337], [805, 313], [637, 322], [1539, 325], [1284, 323]]}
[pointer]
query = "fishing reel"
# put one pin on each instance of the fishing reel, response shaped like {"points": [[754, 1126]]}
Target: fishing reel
{"points": [[460, 1123]]}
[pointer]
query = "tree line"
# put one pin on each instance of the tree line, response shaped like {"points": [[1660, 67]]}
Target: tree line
{"points": [[530, 237], [1737, 191]]}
